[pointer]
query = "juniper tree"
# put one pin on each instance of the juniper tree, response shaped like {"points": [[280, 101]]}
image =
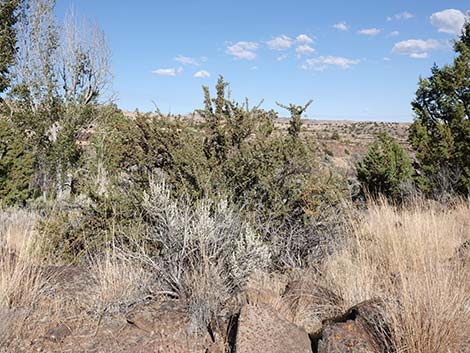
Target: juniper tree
{"points": [[8, 18], [16, 165], [296, 111], [386, 169], [59, 74], [440, 133]]}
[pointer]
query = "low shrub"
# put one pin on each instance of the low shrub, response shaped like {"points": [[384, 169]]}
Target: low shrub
{"points": [[386, 169], [204, 255]]}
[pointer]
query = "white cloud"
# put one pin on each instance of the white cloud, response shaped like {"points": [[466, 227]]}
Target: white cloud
{"points": [[304, 49], [415, 48], [323, 62], [387, 59], [282, 57], [186, 60], [303, 39], [404, 16], [341, 26], [370, 31], [419, 55], [243, 50], [401, 16], [394, 34], [202, 74], [168, 72], [280, 43], [448, 21]]}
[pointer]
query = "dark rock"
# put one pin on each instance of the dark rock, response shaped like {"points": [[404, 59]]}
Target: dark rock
{"points": [[310, 304], [261, 329], [347, 337], [361, 329]]}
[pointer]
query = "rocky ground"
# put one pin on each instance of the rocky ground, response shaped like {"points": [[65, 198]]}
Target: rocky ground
{"points": [[404, 277], [262, 323]]}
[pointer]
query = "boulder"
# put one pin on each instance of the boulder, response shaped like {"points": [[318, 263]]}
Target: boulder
{"points": [[347, 337], [262, 329], [361, 329], [165, 327], [309, 304]]}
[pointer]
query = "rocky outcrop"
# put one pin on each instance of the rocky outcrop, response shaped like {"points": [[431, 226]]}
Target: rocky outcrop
{"points": [[302, 317], [309, 304], [347, 337], [261, 329], [361, 329]]}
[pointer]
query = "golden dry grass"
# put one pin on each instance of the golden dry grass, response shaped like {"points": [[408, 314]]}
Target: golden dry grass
{"points": [[119, 281], [404, 257], [21, 282]]}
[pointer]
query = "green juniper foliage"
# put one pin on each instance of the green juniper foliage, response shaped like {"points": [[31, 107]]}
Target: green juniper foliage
{"points": [[60, 74], [16, 165], [440, 133], [386, 169], [8, 18], [89, 165], [296, 111], [234, 153]]}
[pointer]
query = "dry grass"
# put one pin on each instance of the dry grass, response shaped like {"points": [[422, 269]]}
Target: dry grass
{"points": [[120, 282], [207, 255], [21, 282], [402, 256], [16, 230]]}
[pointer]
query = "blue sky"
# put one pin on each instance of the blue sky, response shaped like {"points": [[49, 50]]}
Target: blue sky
{"points": [[357, 60]]}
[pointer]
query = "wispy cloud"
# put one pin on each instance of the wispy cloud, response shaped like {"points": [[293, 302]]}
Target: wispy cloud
{"points": [[419, 55], [304, 49], [303, 39], [282, 57], [243, 50], [415, 48], [341, 26], [280, 43], [168, 72], [186, 60], [202, 74], [323, 62], [448, 21], [394, 34], [370, 31], [401, 16]]}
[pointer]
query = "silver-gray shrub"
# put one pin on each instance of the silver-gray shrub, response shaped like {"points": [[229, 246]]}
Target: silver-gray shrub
{"points": [[205, 253]]}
